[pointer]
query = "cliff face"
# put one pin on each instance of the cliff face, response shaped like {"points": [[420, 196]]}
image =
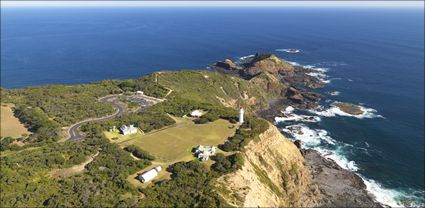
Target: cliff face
{"points": [[273, 175], [268, 63]]}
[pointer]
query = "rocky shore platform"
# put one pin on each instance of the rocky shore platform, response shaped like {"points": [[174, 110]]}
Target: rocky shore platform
{"points": [[340, 187]]}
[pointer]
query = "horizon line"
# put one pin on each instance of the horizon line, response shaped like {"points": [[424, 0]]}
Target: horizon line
{"points": [[232, 4]]}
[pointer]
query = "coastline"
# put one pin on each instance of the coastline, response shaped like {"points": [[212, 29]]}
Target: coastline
{"points": [[299, 94], [370, 191], [308, 102]]}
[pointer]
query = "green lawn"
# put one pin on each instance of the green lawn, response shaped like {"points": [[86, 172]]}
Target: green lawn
{"points": [[175, 143]]}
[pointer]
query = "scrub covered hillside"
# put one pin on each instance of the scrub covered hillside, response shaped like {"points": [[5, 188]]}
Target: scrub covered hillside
{"points": [[26, 175]]}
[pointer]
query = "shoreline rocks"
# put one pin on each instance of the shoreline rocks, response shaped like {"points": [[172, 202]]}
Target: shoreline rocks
{"points": [[341, 187], [349, 108]]}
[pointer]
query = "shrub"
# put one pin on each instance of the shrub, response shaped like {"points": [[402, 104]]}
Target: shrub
{"points": [[138, 152]]}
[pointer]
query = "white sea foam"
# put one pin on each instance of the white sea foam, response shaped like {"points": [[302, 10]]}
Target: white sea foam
{"points": [[295, 117], [319, 140], [289, 115], [294, 63], [317, 72], [288, 50], [246, 57], [310, 137], [320, 76], [289, 109], [382, 195], [315, 68], [312, 67], [335, 93], [392, 197], [336, 111], [315, 138], [338, 157]]}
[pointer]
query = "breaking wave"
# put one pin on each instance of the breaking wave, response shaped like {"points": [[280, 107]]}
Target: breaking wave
{"points": [[246, 57], [333, 111], [288, 50], [319, 140], [317, 72], [322, 142], [289, 115]]}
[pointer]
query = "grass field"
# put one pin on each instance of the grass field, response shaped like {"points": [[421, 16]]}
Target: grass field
{"points": [[176, 142], [10, 125]]}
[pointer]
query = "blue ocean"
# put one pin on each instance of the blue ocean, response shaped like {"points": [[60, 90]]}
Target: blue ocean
{"points": [[371, 57]]}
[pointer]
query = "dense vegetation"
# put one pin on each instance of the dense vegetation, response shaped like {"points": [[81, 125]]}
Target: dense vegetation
{"points": [[224, 165], [6, 143], [25, 179], [38, 122], [147, 84], [139, 153], [147, 121], [191, 186], [250, 130], [66, 104]]}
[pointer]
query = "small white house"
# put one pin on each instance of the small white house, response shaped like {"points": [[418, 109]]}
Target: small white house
{"points": [[125, 130], [196, 113], [204, 152], [149, 175], [139, 92]]}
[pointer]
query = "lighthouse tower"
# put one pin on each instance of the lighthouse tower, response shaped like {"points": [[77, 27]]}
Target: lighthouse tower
{"points": [[241, 112]]}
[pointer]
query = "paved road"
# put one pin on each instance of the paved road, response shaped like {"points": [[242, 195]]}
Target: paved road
{"points": [[73, 132]]}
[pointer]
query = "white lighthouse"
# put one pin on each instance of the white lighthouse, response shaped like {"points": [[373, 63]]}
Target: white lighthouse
{"points": [[241, 111]]}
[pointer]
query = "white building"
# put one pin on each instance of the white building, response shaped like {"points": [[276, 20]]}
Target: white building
{"points": [[241, 112], [196, 113], [128, 129], [149, 175], [139, 92], [204, 152]]}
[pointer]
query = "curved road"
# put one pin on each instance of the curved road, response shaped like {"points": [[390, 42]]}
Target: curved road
{"points": [[73, 130]]}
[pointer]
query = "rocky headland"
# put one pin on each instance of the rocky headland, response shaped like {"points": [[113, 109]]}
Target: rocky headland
{"points": [[317, 181]]}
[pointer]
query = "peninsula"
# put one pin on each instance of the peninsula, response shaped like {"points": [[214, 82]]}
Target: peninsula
{"points": [[172, 138]]}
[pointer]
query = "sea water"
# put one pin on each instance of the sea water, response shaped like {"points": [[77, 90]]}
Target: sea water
{"points": [[371, 57]]}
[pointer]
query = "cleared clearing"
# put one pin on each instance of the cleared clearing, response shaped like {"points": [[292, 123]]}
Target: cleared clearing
{"points": [[10, 125], [74, 170], [175, 143], [163, 175]]}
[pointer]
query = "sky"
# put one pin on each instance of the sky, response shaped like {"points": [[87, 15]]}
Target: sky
{"points": [[363, 4]]}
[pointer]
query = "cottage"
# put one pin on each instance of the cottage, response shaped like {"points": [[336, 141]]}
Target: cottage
{"points": [[204, 152], [125, 130], [149, 175], [196, 113]]}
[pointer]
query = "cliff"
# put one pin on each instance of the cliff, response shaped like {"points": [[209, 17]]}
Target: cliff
{"points": [[268, 63], [276, 174], [273, 175]]}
